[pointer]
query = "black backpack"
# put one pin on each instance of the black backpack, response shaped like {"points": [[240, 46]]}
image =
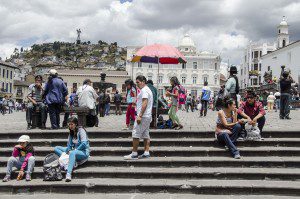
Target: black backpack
{"points": [[51, 168]]}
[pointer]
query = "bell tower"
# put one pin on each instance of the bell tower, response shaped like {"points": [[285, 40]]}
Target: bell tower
{"points": [[283, 37]]}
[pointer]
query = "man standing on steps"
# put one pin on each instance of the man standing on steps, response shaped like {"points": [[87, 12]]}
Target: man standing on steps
{"points": [[205, 96], [142, 123]]}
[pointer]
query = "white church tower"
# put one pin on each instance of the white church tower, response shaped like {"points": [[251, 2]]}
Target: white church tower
{"points": [[283, 38]]}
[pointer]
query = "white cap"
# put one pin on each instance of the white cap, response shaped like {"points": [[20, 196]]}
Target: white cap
{"points": [[53, 72], [24, 138]]}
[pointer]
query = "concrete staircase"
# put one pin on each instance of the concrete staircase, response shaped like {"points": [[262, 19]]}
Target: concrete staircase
{"points": [[182, 162]]}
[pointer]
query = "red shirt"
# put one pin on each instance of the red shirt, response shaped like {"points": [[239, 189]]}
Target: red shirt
{"points": [[252, 110]]}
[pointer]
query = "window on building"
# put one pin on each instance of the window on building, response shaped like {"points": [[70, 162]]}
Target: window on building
{"points": [[194, 80], [6, 87], [160, 79], [283, 43], [183, 80], [269, 52], [150, 65], [0, 72], [7, 73], [255, 81], [10, 87], [123, 88], [75, 86], [252, 55], [259, 67], [216, 66], [269, 68], [195, 65], [160, 92], [255, 66], [183, 66], [139, 64], [255, 54], [260, 53], [216, 80], [259, 79], [11, 77], [3, 86], [241, 71], [279, 31], [205, 79], [3, 73], [194, 93], [149, 77]]}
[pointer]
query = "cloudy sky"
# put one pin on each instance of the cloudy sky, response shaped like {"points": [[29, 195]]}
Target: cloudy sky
{"points": [[222, 26]]}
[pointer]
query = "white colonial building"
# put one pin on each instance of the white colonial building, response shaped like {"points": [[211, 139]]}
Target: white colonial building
{"points": [[200, 67], [289, 56], [252, 69]]}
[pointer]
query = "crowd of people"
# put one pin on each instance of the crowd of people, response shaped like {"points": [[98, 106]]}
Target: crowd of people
{"points": [[239, 117]]}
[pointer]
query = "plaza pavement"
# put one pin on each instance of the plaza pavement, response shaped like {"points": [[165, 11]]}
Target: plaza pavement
{"points": [[191, 121]]}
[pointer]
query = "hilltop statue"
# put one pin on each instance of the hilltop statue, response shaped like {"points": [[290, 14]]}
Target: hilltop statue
{"points": [[78, 36]]}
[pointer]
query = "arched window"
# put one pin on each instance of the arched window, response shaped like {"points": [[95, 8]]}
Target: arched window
{"points": [[283, 43]]}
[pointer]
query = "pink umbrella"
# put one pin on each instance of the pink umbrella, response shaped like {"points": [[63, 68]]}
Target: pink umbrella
{"points": [[160, 54]]}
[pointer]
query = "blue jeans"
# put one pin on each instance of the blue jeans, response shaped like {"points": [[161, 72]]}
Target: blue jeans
{"points": [[107, 109], [75, 155], [229, 140], [277, 102], [17, 162]]}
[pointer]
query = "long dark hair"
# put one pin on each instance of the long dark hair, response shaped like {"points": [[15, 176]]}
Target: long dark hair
{"points": [[227, 101], [73, 133], [131, 83], [175, 80]]}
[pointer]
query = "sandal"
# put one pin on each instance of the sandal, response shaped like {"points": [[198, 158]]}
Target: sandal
{"points": [[179, 127]]}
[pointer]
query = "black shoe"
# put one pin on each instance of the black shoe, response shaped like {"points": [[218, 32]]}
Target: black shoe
{"points": [[43, 126], [282, 118], [29, 127], [288, 118]]}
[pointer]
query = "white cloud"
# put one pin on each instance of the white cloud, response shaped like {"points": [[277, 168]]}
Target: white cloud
{"points": [[222, 26]]}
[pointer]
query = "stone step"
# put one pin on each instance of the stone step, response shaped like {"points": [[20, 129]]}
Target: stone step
{"points": [[120, 185], [177, 152], [142, 196], [50, 134], [175, 142], [224, 173], [101, 161]]}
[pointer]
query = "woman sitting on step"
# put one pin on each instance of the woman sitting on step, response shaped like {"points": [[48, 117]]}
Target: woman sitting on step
{"points": [[78, 147], [228, 127], [22, 158]]}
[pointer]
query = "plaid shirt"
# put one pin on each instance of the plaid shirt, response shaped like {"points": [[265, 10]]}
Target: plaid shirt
{"points": [[252, 110]]}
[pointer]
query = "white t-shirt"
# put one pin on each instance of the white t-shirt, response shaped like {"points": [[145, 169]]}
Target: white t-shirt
{"points": [[145, 93]]}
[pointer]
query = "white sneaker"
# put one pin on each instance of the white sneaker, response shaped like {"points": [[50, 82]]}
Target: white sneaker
{"points": [[237, 156], [131, 157], [125, 128]]}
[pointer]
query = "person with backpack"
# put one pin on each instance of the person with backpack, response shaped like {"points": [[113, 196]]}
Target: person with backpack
{"points": [[232, 85], [174, 93], [78, 147], [22, 158], [118, 101], [205, 97], [189, 103], [155, 103], [131, 102]]}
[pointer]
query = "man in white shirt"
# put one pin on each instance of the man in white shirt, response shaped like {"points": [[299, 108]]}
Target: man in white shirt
{"points": [[142, 123], [87, 97]]}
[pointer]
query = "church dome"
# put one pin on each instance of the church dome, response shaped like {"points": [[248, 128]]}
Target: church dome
{"points": [[187, 41], [283, 22]]}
